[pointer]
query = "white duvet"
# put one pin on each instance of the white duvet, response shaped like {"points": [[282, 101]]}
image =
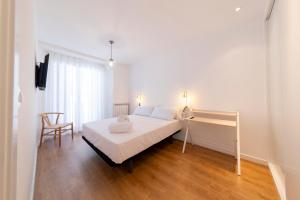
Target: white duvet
{"points": [[146, 131]]}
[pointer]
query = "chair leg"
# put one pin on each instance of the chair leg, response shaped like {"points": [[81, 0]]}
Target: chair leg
{"points": [[42, 134], [72, 131], [55, 134], [59, 136]]}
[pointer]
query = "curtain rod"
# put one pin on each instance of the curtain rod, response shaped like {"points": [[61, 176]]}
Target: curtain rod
{"points": [[63, 50]]}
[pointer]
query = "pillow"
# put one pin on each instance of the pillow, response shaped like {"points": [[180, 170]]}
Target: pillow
{"points": [[164, 113], [143, 110]]}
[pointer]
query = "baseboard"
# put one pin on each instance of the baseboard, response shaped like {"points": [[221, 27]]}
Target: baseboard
{"points": [[207, 144], [254, 159], [216, 147], [33, 176], [278, 181]]}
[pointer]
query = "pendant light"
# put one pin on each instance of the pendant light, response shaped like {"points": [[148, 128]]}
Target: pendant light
{"points": [[111, 60]]}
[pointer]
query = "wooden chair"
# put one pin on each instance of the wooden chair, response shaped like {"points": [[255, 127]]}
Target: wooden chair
{"points": [[54, 128]]}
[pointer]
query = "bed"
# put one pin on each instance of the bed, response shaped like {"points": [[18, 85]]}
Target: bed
{"points": [[120, 148]]}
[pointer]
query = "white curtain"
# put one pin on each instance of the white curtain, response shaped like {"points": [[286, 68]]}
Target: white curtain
{"points": [[77, 88]]}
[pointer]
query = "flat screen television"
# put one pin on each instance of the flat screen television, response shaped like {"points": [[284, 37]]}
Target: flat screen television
{"points": [[41, 74]]}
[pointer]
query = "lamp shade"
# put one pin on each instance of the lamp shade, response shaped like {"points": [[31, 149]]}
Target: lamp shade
{"points": [[111, 62]]}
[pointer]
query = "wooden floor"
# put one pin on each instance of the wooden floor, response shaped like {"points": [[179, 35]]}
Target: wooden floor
{"points": [[75, 171]]}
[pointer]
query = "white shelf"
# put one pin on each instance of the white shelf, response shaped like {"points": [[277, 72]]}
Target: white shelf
{"points": [[214, 121], [223, 113]]}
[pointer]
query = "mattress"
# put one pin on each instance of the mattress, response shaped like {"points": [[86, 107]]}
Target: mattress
{"points": [[119, 147]]}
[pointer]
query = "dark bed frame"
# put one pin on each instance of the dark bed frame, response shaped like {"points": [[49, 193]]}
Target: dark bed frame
{"points": [[128, 164]]}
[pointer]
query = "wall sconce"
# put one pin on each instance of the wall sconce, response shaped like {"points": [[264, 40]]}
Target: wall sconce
{"points": [[185, 97], [186, 112], [139, 99]]}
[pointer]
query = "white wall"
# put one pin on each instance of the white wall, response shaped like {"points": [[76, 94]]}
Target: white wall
{"points": [[284, 61], [27, 121], [121, 83], [224, 72]]}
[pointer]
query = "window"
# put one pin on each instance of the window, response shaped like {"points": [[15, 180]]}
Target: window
{"points": [[77, 88]]}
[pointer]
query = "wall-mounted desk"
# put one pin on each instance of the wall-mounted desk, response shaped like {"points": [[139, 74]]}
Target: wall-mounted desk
{"points": [[213, 117]]}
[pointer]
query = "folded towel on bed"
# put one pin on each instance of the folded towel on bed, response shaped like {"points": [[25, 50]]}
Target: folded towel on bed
{"points": [[120, 127]]}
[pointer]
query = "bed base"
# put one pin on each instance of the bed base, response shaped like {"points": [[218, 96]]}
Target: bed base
{"points": [[127, 164]]}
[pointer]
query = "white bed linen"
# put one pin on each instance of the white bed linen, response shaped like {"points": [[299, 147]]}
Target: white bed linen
{"points": [[146, 132]]}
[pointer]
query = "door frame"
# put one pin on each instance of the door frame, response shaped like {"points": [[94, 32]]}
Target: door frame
{"points": [[8, 142]]}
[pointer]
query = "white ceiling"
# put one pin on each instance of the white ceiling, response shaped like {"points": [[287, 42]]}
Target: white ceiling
{"points": [[139, 27]]}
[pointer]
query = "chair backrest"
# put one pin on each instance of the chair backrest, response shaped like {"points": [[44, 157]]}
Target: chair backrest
{"points": [[45, 118]]}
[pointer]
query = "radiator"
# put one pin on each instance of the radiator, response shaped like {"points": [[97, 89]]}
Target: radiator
{"points": [[121, 109]]}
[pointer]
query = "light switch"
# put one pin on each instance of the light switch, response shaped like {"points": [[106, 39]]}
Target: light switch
{"points": [[20, 97]]}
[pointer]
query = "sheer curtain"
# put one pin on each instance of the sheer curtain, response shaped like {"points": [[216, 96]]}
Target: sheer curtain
{"points": [[77, 88]]}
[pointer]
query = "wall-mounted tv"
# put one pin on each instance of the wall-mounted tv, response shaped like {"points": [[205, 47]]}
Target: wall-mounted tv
{"points": [[41, 74]]}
